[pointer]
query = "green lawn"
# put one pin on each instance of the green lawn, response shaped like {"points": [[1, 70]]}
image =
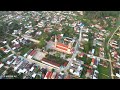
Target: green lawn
{"points": [[102, 70], [57, 54], [68, 56], [101, 76], [55, 59], [36, 70], [43, 37], [24, 50], [96, 51]]}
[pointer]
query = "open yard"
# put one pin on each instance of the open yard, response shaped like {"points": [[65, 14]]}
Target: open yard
{"points": [[57, 60], [39, 55], [24, 50], [103, 72]]}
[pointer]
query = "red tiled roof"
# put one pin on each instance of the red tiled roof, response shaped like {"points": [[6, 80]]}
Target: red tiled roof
{"points": [[116, 55], [89, 71], [44, 59], [48, 74], [32, 53], [65, 64], [62, 45], [67, 77], [81, 54], [61, 48], [93, 60]]}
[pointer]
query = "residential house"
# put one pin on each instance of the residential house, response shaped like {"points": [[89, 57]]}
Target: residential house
{"points": [[1, 65], [33, 76]]}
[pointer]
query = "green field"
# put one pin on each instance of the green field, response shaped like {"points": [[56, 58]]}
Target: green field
{"points": [[24, 50], [103, 72]]}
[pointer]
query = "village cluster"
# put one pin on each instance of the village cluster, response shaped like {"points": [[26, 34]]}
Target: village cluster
{"points": [[58, 45]]}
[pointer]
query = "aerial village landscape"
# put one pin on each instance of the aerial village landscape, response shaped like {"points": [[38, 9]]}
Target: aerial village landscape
{"points": [[59, 45]]}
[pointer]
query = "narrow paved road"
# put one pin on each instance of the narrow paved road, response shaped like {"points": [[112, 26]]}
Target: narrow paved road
{"points": [[113, 34], [75, 51], [25, 36], [111, 68], [29, 38], [13, 52], [91, 56]]}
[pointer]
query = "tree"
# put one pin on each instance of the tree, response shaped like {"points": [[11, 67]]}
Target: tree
{"points": [[34, 46], [68, 31], [2, 54], [68, 71], [42, 43], [53, 70], [37, 77], [62, 71], [86, 48]]}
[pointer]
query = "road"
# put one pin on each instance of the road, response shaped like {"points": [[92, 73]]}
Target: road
{"points": [[13, 35], [111, 68], [13, 52], [29, 38], [113, 34], [75, 52], [97, 57], [25, 36]]}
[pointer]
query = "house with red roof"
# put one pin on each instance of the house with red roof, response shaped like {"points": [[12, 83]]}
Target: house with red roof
{"points": [[48, 74], [59, 46], [93, 61]]}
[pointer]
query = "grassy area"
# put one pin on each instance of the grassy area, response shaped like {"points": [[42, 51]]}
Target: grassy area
{"points": [[68, 56], [24, 50], [96, 51], [57, 54], [36, 70], [55, 59], [102, 70], [101, 76], [88, 61], [43, 38], [77, 17], [105, 47]]}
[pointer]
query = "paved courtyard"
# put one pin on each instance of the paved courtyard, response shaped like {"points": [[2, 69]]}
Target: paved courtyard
{"points": [[39, 55], [50, 45]]}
